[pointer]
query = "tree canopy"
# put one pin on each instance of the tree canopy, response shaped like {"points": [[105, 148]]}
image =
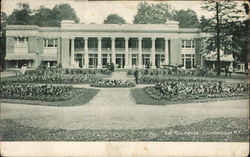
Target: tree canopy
{"points": [[186, 18], [114, 19], [161, 12], [230, 25], [43, 16], [152, 13], [21, 15]]}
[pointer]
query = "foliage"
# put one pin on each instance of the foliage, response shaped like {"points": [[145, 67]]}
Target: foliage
{"points": [[152, 13], [21, 15], [57, 78], [43, 16], [153, 79], [42, 71], [231, 27], [114, 19], [184, 90], [37, 92], [113, 83], [3, 40], [187, 18]]}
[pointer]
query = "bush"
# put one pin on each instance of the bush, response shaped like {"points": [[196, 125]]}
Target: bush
{"points": [[57, 78], [184, 90], [38, 92], [153, 79], [113, 83]]}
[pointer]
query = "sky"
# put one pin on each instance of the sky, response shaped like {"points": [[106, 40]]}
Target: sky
{"points": [[97, 11]]}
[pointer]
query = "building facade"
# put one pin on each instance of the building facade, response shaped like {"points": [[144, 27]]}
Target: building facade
{"points": [[95, 45]]}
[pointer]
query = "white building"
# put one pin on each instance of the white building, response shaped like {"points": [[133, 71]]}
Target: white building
{"points": [[94, 45]]}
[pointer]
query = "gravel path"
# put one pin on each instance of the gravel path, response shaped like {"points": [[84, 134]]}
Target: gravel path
{"points": [[113, 113]]}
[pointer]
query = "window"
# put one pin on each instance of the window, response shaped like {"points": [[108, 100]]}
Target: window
{"points": [[21, 39], [188, 44], [183, 43], [192, 43], [188, 61], [50, 43]]}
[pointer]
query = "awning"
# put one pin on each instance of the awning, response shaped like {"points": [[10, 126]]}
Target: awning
{"points": [[20, 56], [49, 58]]}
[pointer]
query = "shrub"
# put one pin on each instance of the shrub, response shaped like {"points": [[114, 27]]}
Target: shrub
{"points": [[183, 90], [57, 78], [153, 79], [113, 83], [38, 92]]}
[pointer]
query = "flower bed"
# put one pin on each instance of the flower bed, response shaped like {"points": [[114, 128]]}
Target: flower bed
{"points": [[184, 90], [38, 92], [153, 79], [56, 78], [42, 71], [113, 83]]}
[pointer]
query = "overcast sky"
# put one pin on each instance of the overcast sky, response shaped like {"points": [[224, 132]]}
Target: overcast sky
{"points": [[97, 11]]}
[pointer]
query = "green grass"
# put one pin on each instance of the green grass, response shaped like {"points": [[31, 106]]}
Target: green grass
{"points": [[84, 97], [141, 97], [210, 130]]}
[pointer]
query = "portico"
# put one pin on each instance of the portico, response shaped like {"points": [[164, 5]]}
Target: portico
{"points": [[124, 52]]}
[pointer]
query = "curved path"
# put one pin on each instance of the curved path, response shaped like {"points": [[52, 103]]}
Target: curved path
{"points": [[114, 108]]}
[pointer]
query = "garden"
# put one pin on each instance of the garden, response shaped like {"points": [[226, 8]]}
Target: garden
{"points": [[49, 95], [177, 90], [112, 84]]}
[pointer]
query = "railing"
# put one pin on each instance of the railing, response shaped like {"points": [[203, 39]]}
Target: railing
{"points": [[93, 49], [146, 49], [119, 49], [106, 49], [133, 49], [159, 50], [79, 49]]}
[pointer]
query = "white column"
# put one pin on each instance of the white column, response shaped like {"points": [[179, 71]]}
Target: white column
{"points": [[153, 53], [113, 51], [184, 61], [166, 62], [99, 65], [140, 52], [126, 53], [72, 51], [86, 53], [191, 60]]}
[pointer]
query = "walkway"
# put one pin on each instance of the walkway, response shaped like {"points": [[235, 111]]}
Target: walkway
{"points": [[114, 108]]}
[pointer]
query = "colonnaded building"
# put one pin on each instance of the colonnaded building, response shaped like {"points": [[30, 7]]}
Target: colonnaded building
{"points": [[95, 45]]}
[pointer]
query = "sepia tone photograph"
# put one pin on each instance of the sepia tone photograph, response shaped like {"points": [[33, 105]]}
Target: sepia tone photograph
{"points": [[124, 71]]}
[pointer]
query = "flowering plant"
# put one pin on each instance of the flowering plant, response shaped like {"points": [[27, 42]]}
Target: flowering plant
{"points": [[57, 78], [113, 83], [37, 92], [183, 90]]}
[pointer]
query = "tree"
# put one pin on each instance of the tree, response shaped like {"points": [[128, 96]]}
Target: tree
{"points": [[114, 19], [152, 13], [63, 12], [204, 23], [21, 15], [223, 28], [44, 17], [3, 40], [186, 18]]}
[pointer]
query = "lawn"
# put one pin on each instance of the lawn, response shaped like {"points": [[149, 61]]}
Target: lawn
{"points": [[141, 97], [83, 96], [210, 130]]}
